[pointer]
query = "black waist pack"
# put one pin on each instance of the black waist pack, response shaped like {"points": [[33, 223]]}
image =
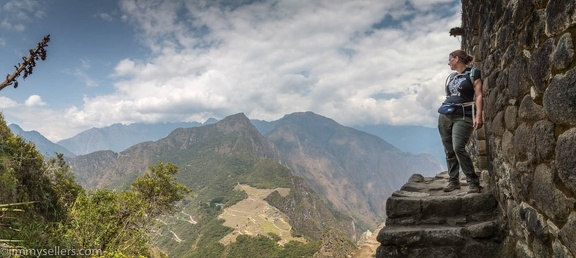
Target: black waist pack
{"points": [[448, 108]]}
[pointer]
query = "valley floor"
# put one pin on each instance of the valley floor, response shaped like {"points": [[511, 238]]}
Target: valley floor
{"points": [[368, 248]]}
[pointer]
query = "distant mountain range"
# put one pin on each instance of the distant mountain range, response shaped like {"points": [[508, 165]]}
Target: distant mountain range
{"points": [[352, 169], [414, 139], [328, 168], [214, 161], [43, 145], [118, 137]]}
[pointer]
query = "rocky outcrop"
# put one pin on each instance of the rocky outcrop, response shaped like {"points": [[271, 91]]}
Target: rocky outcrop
{"points": [[526, 53], [424, 221], [525, 50]]}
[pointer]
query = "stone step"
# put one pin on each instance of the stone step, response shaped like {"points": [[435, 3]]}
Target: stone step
{"points": [[422, 201], [424, 221], [408, 208], [472, 249], [481, 239]]}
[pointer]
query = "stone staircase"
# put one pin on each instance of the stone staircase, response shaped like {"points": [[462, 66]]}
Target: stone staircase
{"points": [[424, 221]]}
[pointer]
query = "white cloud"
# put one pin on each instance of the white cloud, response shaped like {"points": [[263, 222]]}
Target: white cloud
{"points": [[81, 73], [105, 16], [9, 25], [124, 67], [85, 63], [52, 123], [20, 12], [7, 103], [425, 5], [358, 62], [34, 101], [268, 59]]}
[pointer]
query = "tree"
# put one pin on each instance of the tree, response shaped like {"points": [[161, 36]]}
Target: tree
{"points": [[35, 195], [119, 223], [160, 189], [39, 53], [63, 183]]}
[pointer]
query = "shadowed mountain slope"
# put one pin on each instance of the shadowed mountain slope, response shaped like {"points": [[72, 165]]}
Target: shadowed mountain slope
{"points": [[213, 160], [353, 170], [43, 145]]}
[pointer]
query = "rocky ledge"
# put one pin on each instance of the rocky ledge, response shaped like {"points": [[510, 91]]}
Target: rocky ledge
{"points": [[424, 221]]}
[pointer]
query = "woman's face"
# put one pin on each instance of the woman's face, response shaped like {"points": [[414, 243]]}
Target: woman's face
{"points": [[452, 62]]}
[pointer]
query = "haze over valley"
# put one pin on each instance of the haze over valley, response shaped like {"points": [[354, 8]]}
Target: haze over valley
{"points": [[345, 175]]}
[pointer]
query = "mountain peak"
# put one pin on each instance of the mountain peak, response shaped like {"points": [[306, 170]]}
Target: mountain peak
{"points": [[43, 145], [15, 129], [234, 123], [310, 117], [210, 121]]}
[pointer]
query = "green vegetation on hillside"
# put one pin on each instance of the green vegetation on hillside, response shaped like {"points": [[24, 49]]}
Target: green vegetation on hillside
{"points": [[266, 247], [213, 180], [43, 207], [107, 220], [155, 215], [214, 160], [44, 191]]}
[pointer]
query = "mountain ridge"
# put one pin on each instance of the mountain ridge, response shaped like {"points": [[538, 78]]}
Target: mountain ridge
{"points": [[44, 146], [213, 159], [118, 137], [353, 170], [345, 170]]}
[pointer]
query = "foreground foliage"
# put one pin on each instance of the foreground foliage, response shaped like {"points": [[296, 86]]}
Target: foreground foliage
{"points": [[42, 206], [125, 222], [106, 220]]}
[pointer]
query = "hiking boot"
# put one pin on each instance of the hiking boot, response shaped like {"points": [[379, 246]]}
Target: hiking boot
{"points": [[474, 189], [451, 187]]}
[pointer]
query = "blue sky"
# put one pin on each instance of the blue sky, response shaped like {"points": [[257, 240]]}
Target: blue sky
{"points": [[124, 61]]}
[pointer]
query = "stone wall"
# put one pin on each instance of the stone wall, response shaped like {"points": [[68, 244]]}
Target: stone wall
{"points": [[525, 50]]}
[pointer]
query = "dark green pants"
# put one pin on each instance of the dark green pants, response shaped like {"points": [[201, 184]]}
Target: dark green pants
{"points": [[456, 131]]}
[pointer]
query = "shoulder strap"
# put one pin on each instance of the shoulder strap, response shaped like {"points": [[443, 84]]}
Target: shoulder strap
{"points": [[448, 79], [471, 74]]}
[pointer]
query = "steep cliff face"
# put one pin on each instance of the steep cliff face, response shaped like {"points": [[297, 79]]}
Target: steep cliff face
{"points": [[526, 52], [354, 171]]}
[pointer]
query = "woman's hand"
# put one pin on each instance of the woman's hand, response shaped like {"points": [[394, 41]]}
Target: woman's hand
{"points": [[478, 122]]}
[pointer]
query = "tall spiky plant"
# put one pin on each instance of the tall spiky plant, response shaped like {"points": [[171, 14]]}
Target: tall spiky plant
{"points": [[26, 68], [28, 63]]}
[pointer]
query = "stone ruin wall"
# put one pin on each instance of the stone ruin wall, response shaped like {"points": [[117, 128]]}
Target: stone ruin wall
{"points": [[527, 148]]}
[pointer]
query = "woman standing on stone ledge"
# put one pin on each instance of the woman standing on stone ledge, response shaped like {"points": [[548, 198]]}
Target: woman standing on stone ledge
{"points": [[460, 115]]}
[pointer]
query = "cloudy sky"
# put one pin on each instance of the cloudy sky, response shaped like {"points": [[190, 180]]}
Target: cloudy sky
{"points": [[359, 62]]}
